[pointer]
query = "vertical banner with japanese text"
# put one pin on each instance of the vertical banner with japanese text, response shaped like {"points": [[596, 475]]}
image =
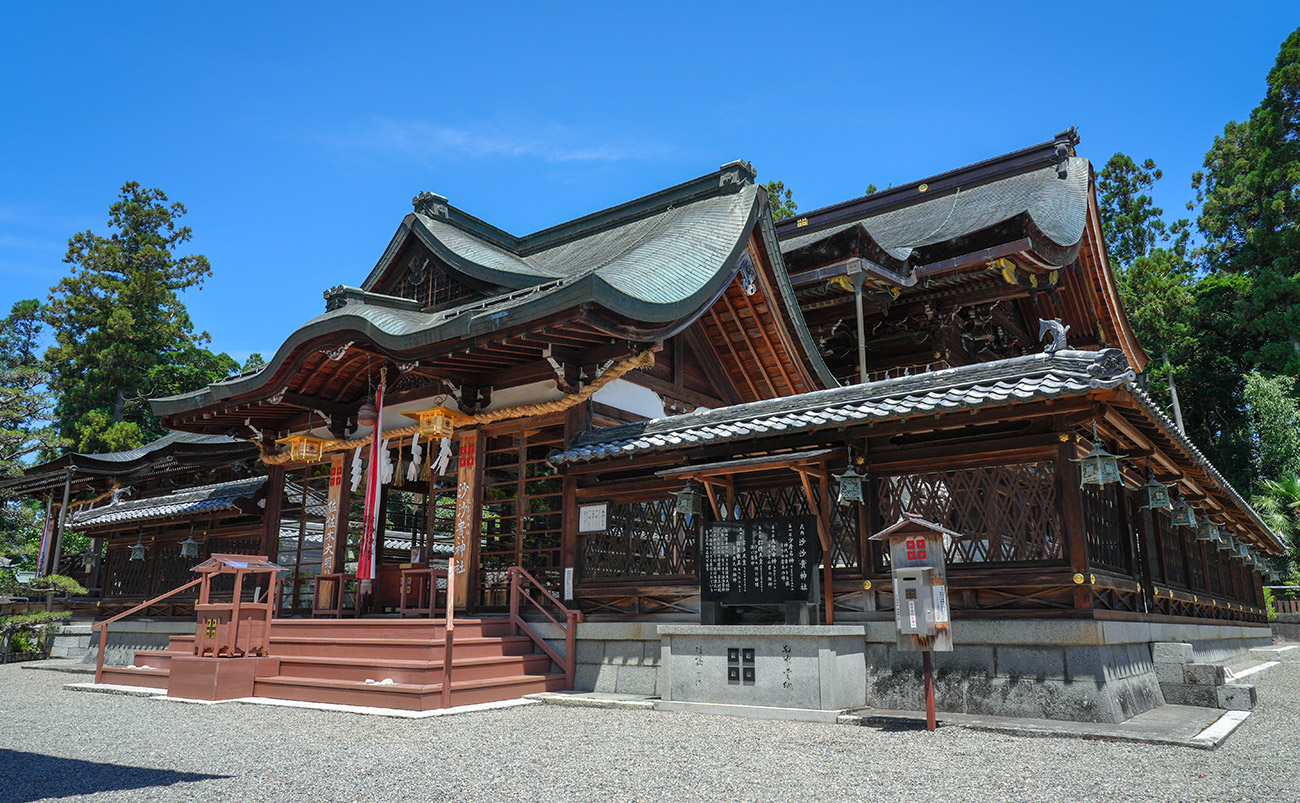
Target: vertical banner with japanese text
{"points": [[466, 513], [333, 505]]}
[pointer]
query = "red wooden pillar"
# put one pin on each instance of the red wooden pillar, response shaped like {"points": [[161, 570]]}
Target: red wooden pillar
{"points": [[576, 419], [271, 513]]}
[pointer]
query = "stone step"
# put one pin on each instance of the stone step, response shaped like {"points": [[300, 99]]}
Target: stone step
{"points": [[404, 696], [122, 676]]}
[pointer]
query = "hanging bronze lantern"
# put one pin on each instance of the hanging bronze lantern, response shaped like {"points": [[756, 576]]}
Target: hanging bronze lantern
{"points": [[138, 550], [1225, 541], [1207, 530], [690, 502], [190, 547], [1098, 467], [367, 415], [1157, 494], [850, 485], [1182, 514]]}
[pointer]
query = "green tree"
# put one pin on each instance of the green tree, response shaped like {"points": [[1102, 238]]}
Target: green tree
{"points": [[1250, 212], [1274, 423], [780, 200], [25, 429], [1132, 223], [122, 333]]}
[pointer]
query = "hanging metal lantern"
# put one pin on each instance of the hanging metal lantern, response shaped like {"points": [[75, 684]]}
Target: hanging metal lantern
{"points": [[138, 550], [1182, 514], [1157, 495], [690, 502], [1098, 467], [850, 485], [1225, 541], [1207, 530], [367, 415], [190, 547], [1242, 550]]}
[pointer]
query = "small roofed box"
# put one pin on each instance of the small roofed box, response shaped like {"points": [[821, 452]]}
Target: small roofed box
{"points": [[916, 554], [239, 627]]}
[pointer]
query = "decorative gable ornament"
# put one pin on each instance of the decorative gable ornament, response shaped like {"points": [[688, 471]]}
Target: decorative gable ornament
{"points": [[1098, 467]]}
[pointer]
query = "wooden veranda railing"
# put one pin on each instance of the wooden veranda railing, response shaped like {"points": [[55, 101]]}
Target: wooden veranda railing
{"points": [[102, 627], [519, 593]]}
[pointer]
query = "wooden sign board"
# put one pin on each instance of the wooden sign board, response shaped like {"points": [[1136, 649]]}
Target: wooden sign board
{"points": [[759, 561], [333, 517], [593, 518]]}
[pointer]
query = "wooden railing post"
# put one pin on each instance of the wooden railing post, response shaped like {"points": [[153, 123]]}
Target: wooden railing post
{"points": [[570, 649], [450, 633], [102, 627], [514, 602], [99, 664]]}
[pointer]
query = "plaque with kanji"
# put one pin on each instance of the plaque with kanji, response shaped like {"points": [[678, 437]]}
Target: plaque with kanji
{"points": [[759, 561]]}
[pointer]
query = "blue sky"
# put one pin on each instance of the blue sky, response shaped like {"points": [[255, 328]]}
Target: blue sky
{"points": [[296, 134]]}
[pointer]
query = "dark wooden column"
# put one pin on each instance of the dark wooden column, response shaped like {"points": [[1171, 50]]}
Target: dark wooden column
{"points": [[1070, 498], [271, 513], [576, 419], [1147, 548]]}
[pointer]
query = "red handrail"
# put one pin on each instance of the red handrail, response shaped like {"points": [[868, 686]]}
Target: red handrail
{"points": [[569, 629], [102, 627]]}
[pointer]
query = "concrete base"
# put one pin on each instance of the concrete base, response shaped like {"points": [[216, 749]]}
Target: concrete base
{"points": [[195, 678], [773, 666], [129, 635], [751, 711]]}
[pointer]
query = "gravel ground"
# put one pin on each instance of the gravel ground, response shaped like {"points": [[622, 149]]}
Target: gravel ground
{"points": [[63, 745]]}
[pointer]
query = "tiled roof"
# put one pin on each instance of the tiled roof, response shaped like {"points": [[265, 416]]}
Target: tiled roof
{"points": [[204, 498], [1021, 379]]}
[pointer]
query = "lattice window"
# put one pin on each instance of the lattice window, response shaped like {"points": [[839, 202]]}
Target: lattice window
{"points": [[1003, 513], [643, 539], [1103, 522], [1195, 569], [791, 501], [1171, 550], [429, 282], [522, 505]]}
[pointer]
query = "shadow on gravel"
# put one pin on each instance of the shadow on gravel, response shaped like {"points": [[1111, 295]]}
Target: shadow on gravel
{"points": [[25, 777]]}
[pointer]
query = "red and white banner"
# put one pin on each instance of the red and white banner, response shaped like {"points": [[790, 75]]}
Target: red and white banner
{"points": [[374, 476]]}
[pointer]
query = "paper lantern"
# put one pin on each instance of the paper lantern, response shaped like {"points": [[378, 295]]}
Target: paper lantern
{"points": [[304, 447]]}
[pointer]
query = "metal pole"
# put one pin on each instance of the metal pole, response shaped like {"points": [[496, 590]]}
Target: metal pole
{"points": [[1173, 394], [63, 517], [930, 723], [859, 277]]}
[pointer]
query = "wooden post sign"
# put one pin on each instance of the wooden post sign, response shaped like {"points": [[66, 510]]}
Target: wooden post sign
{"points": [[921, 616]]}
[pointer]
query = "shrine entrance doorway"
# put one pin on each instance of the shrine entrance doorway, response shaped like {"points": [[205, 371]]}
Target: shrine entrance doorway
{"points": [[521, 510]]}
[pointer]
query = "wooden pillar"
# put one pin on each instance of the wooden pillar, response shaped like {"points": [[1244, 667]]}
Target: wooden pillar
{"points": [[468, 515], [271, 512], [336, 516], [1070, 499], [576, 419], [1146, 536], [57, 546]]}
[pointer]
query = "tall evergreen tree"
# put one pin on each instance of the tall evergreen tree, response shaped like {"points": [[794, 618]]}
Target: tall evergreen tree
{"points": [[1250, 213], [25, 431], [122, 333], [780, 200]]}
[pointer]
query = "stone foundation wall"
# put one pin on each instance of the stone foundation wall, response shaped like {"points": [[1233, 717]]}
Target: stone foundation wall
{"points": [[127, 636], [613, 657]]}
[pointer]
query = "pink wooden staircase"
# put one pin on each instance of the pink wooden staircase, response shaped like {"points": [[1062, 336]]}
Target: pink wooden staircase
{"points": [[396, 663]]}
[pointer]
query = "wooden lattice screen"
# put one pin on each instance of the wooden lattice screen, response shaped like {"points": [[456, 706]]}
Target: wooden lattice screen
{"points": [[1103, 521], [643, 539], [1004, 513], [791, 501]]}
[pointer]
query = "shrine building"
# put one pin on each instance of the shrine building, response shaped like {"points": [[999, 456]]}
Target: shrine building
{"points": [[589, 402]]}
